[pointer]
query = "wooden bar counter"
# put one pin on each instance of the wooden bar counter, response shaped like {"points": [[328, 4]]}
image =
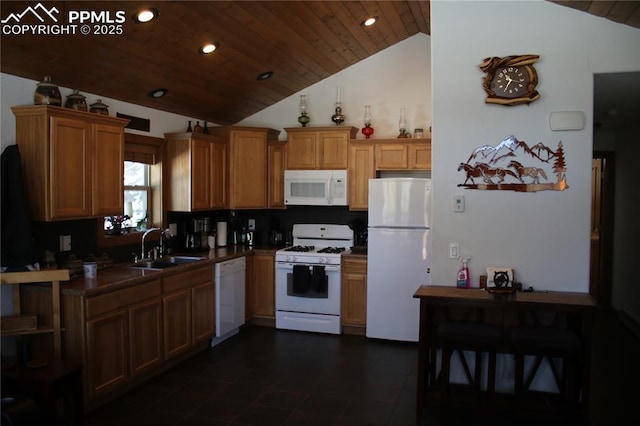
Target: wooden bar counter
{"points": [[509, 309]]}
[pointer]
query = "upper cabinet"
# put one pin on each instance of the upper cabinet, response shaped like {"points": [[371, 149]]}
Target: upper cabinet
{"points": [[248, 170], [72, 162], [195, 171], [318, 147], [410, 155], [368, 157]]}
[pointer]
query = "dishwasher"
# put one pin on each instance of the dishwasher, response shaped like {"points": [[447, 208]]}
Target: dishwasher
{"points": [[230, 289]]}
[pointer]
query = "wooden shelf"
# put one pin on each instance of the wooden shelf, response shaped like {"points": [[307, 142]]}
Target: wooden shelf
{"points": [[32, 277]]}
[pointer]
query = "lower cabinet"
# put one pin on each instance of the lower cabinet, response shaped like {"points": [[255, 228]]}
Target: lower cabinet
{"points": [[354, 295], [262, 286], [145, 336], [130, 334], [189, 310], [107, 353], [123, 336], [177, 323]]}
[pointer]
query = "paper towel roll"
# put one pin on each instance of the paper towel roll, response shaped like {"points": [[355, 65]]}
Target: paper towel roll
{"points": [[221, 234]]}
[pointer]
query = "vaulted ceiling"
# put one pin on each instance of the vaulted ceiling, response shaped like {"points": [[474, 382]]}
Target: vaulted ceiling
{"points": [[301, 42]]}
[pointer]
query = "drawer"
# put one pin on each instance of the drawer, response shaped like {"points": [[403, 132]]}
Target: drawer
{"points": [[187, 279], [354, 266], [123, 298]]}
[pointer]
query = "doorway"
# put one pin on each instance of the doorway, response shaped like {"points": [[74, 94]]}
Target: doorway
{"points": [[602, 193]]}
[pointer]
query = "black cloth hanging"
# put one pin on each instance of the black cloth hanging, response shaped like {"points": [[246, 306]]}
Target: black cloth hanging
{"points": [[17, 248], [319, 279], [301, 279]]}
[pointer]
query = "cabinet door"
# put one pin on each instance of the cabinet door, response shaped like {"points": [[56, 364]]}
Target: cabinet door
{"points": [[263, 291], [108, 170], [203, 311], [248, 182], [332, 150], [391, 157], [354, 293], [107, 353], [361, 169], [276, 176], [145, 336], [201, 175], [302, 151], [419, 156], [219, 199], [70, 182], [177, 323]]}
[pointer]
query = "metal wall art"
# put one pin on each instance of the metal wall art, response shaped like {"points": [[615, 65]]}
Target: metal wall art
{"points": [[514, 165]]}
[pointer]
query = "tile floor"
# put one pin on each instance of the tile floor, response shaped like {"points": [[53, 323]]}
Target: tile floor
{"points": [[269, 377]]}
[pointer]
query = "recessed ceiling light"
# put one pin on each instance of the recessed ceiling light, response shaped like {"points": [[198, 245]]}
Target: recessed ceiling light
{"points": [[157, 93], [145, 15], [208, 48], [265, 75], [369, 21]]}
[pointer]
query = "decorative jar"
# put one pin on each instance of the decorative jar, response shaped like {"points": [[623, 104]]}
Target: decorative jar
{"points": [[47, 93], [76, 101]]}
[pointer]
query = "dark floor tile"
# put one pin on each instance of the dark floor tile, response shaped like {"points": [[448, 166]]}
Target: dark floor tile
{"points": [[366, 412], [241, 392], [262, 416], [330, 406], [192, 420], [281, 399], [219, 409], [153, 416]]}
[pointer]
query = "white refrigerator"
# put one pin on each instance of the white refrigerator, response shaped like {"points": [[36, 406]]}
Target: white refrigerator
{"points": [[398, 255]]}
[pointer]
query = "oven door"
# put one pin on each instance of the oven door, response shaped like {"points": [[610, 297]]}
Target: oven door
{"points": [[308, 288]]}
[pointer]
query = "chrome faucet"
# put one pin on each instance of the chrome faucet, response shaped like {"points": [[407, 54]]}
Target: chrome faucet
{"points": [[147, 232]]}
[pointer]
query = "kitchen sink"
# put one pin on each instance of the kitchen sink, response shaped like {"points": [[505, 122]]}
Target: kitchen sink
{"points": [[166, 262]]}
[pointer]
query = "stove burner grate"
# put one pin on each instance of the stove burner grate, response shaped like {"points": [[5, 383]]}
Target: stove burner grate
{"points": [[300, 248], [332, 250]]}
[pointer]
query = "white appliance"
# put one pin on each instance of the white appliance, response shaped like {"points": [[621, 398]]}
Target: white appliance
{"points": [[230, 289], [315, 187], [398, 257], [308, 278]]}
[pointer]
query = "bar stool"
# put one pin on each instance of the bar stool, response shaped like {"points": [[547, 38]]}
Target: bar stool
{"points": [[468, 336], [547, 342]]}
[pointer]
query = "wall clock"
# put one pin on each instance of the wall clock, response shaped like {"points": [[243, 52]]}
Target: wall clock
{"points": [[510, 80]]}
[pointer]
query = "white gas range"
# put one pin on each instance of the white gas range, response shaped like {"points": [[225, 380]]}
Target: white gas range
{"points": [[308, 276]]}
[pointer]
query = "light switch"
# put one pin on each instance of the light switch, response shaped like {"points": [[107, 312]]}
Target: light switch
{"points": [[65, 243], [458, 203]]}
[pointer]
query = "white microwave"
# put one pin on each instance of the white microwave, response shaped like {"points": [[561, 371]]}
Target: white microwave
{"points": [[315, 187]]}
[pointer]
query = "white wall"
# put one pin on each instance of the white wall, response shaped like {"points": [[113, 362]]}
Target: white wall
{"points": [[394, 78], [543, 235], [19, 91]]}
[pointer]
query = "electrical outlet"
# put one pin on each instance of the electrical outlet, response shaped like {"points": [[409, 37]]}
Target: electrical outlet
{"points": [[65, 243], [251, 224]]}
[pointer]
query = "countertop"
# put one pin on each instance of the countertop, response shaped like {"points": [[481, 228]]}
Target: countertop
{"points": [[123, 275]]}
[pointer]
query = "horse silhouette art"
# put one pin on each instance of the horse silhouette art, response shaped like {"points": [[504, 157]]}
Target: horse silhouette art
{"points": [[533, 172], [471, 171]]}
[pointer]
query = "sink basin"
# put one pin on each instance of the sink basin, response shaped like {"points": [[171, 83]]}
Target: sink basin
{"points": [[166, 262]]}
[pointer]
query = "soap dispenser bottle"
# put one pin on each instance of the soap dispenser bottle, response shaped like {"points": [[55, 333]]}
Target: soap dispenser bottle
{"points": [[464, 281]]}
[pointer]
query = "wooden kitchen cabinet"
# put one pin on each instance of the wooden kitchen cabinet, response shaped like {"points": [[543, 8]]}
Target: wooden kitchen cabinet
{"points": [[123, 336], [318, 147], [72, 162], [277, 158], [248, 165], [262, 289], [188, 310], [406, 155], [361, 169], [354, 295], [195, 172], [145, 336]]}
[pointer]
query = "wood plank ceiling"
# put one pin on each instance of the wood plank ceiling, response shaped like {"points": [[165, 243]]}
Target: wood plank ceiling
{"points": [[301, 42]]}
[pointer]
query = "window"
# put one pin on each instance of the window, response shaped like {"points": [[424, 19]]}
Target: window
{"points": [[137, 194]]}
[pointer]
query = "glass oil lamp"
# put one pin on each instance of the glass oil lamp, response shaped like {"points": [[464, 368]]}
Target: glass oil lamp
{"points": [[304, 118], [402, 124], [367, 130], [338, 117]]}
